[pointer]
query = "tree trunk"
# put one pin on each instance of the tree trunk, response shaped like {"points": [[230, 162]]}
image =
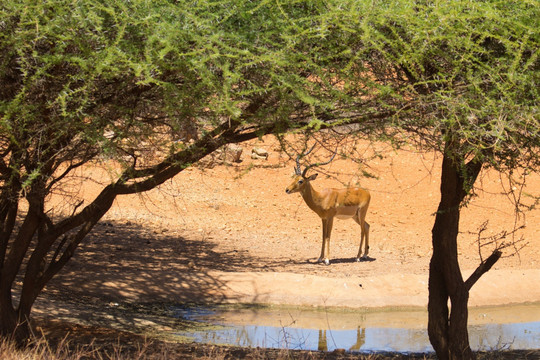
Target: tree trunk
{"points": [[13, 325], [448, 329]]}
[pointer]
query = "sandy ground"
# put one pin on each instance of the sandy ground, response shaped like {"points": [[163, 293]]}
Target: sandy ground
{"points": [[230, 233]]}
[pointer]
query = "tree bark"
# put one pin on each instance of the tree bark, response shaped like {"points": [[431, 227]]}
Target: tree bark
{"points": [[14, 325], [448, 329]]}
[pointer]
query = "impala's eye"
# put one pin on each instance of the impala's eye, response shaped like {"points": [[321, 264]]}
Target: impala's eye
{"points": [[300, 182]]}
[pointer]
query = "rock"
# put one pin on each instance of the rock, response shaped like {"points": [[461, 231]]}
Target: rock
{"points": [[259, 153], [232, 152], [229, 152]]}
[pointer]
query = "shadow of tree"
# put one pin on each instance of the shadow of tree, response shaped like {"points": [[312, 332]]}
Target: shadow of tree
{"points": [[122, 262], [123, 274]]}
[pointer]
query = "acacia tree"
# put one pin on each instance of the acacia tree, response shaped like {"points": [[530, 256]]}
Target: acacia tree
{"points": [[97, 81], [460, 78]]}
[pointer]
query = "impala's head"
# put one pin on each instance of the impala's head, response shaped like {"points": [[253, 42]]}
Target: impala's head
{"points": [[299, 183], [300, 180]]}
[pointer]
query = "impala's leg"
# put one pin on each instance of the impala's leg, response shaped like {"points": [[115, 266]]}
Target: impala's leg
{"points": [[324, 224], [364, 232], [329, 225], [325, 250]]}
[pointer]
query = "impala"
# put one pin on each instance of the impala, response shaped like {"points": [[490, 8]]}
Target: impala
{"points": [[351, 202]]}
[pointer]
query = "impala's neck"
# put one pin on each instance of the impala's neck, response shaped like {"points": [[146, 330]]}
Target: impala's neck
{"points": [[311, 196]]}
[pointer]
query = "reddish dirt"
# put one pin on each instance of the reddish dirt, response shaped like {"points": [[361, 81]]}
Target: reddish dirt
{"points": [[230, 233]]}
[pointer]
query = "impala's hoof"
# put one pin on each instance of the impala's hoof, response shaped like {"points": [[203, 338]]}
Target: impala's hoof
{"points": [[325, 261]]}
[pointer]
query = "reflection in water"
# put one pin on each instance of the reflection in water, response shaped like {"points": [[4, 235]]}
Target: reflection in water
{"points": [[302, 331], [323, 342], [356, 346], [360, 339]]}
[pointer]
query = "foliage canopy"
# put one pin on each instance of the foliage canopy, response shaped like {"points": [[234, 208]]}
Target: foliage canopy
{"points": [[91, 80]]}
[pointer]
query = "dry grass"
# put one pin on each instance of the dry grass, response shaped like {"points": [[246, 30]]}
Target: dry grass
{"points": [[148, 350], [40, 350]]}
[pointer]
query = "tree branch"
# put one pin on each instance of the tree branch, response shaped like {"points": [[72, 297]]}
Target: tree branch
{"points": [[483, 268]]}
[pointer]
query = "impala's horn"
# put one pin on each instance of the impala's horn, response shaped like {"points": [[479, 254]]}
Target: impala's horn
{"points": [[318, 164], [298, 167]]}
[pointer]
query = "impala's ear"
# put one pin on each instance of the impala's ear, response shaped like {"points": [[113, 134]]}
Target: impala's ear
{"points": [[312, 177]]}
